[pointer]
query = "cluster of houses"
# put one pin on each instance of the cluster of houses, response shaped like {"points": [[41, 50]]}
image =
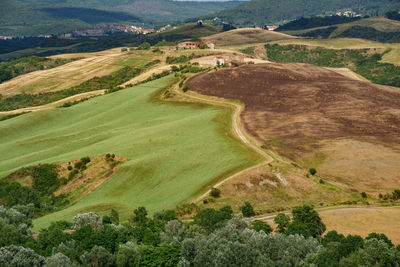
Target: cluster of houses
{"points": [[348, 13], [6, 37], [105, 30], [193, 45]]}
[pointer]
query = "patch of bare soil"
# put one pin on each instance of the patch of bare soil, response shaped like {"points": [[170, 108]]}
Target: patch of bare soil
{"points": [[294, 108]]}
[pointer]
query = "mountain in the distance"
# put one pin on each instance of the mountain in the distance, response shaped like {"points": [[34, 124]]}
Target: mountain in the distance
{"points": [[260, 12]]}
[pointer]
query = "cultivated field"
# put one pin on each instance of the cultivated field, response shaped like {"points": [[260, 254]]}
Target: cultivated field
{"points": [[173, 150], [346, 128], [71, 74]]}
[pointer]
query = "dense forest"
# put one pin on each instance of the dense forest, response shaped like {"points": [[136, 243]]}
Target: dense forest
{"points": [[261, 12], [212, 238]]}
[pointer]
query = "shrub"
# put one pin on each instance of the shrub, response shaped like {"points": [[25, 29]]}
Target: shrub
{"points": [[247, 210], [312, 171], [258, 226], [69, 167], [364, 195], [185, 88], [215, 192]]}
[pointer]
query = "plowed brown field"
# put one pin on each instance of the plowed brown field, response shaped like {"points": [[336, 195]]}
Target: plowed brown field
{"points": [[317, 117]]}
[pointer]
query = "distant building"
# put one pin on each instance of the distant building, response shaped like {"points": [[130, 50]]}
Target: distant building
{"points": [[272, 27], [195, 45], [228, 60], [6, 37]]}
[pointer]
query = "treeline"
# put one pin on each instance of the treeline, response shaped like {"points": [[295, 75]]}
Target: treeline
{"points": [[107, 82], [360, 61], [306, 23], [213, 238], [395, 15], [16, 67]]}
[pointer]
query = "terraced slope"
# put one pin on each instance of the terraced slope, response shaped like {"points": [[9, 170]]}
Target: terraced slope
{"points": [[174, 150]]}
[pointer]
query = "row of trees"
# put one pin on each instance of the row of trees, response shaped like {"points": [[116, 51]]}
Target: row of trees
{"points": [[213, 238]]}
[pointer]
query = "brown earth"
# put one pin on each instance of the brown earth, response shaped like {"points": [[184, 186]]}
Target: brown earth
{"points": [[314, 116]]}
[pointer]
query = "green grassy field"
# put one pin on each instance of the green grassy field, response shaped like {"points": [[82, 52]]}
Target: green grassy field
{"points": [[174, 149]]}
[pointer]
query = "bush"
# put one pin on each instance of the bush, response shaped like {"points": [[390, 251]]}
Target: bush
{"points": [[215, 192], [185, 88], [312, 171], [69, 167], [258, 226], [364, 195], [247, 210]]}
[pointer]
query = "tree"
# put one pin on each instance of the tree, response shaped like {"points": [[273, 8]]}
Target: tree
{"points": [[129, 254], [282, 220], [215, 192], [145, 46], [211, 219], [258, 226], [364, 195], [382, 237], [174, 232], [140, 216], [307, 221], [247, 210], [312, 171], [90, 218], [98, 256], [19, 256], [59, 260], [114, 217]]}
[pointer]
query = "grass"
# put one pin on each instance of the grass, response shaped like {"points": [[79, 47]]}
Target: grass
{"points": [[74, 73], [174, 150], [364, 221]]}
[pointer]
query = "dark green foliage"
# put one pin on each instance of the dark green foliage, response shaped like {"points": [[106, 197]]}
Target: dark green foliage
{"points": [[179, 59], [164, 255], [368, 66], [306, 23], [394, 14], [88, 15], [227, 27], [261, 12], [364, 195], [185, 88], [13, 193], [319, 33], [372, 34], [382, 237], [215, 192], [106, 220], [258, 226], [306, 221], [247, 210], [145, 46], [69, 168], [312, 171], [282, 220], [114, 217], [16, 67], [6, 117], [140, 216], [211, 219]]}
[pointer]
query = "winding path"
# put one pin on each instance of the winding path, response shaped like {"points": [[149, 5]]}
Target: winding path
{"points": [[237, 130]]}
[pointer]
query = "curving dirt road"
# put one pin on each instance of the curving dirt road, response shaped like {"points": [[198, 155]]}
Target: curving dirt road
{"points": [[237, 130]]}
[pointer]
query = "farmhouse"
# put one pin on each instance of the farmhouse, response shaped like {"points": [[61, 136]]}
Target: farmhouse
{"points": [[195, 45], [228, 60]]}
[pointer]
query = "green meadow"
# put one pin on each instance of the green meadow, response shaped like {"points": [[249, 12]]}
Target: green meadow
{"points": [[174, 150]]}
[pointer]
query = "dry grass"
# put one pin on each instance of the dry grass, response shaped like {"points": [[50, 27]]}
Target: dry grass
{"points": [[362, 221], [245, 36], [74, 73], [85, 182]]}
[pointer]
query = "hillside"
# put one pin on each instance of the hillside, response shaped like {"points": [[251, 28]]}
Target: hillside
{"points": [[245, 36], [32, 18], [261, 12], [154, 136], [345, 128], [376, 29], [189, 31]]}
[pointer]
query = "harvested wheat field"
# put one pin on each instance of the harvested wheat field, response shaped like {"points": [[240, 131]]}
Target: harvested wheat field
{"points": [[347, 128], [246, 36]]}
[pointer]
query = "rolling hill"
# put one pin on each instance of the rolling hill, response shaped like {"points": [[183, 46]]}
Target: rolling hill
{"points": [[261, 12], [346, 128], [173, 150]]}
